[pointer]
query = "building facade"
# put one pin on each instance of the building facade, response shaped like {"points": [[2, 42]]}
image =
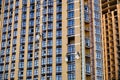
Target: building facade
{"points": [[51, 40], [111, 38], [0, 20]]}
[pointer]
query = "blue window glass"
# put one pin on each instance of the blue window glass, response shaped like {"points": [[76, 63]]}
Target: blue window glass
{"points": [[58, 50], [71, 76], [71, 67], [71, 48], [70, 31], [71, 6], [71, 23], [59, 77], [71, 14]]}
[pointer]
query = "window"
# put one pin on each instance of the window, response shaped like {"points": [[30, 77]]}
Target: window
{"points": [[14, 41], [97, 30], [31, 22], [87, 42], [97, 15], [99, 72], [70, 0], [35, 71], [43, 70], [58, 77], [29, 72], [49, 51], [24, 1], [43, 61], [30, 55], [58, 60], [21, 56], [30, 39], [21, 64], [13, 57], [23, 31], [88, 68], [99, 63], [59, 16], [71, 6], [50, 34], [98, 38], [59, 8], [49, 42], [70, 31], [6, 75], [86, 8], [43, 43], [71, 48], [31, 7], [32, 15], [29, 64], [12, 65], [32, 1], [86, 16], [98, 46], [58, 50], [20, 73], [71, 14], [59, 24], [58, 33], [49, 69], [12, 74], [1, 68], [98, 55], [30, 46], [71, 76], [36, 63], [6, 67], [15, 33], [97, 23], [71, 67], [58, 68], [71, 57], [59, 42], [71, 23], [21, 47], [49, 60]]}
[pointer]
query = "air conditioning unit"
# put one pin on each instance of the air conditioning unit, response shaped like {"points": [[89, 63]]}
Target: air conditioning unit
{"points": [[37, 37], [77, 55], [66, 59]]}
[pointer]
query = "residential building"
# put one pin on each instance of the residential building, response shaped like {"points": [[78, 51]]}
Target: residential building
{"points": [[111, 38], [51, 40]]}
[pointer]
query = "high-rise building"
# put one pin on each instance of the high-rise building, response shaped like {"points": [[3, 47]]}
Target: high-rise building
{"points": [[0, 19], [111, 38], [0, 6], [51, 40]]}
